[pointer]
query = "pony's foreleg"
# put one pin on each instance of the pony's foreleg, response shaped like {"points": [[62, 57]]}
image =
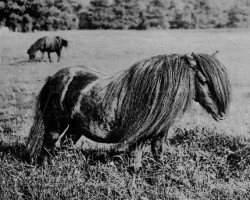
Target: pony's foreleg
{"points": [[42, 55], [157, 148], [136, 153]]}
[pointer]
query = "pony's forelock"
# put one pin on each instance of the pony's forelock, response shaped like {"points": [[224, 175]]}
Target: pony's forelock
{"points": [[217, 77]]}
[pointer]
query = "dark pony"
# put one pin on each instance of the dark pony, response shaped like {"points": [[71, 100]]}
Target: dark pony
{"points": [[130, 107], [47, 44]]}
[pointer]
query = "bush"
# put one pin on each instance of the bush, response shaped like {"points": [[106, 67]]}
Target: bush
{"points": [[237, 17]]}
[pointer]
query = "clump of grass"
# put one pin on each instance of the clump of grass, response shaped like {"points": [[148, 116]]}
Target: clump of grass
{"points": [[195, 166]]}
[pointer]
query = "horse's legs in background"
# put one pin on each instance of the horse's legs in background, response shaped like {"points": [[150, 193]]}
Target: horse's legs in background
{"points": [[157, 147], [59, 55], [42, 55], [49, 56]]}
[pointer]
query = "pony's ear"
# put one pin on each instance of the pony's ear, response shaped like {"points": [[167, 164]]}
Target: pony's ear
{"points": [[214, 54], [190, 59]]}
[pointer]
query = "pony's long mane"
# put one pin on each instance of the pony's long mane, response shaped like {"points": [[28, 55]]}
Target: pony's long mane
{"points": [[149, 95], [218, 79]]}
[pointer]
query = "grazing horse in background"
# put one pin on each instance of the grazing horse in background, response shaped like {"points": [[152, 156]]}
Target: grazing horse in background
{"points": [[130, 107], [47, 44]]}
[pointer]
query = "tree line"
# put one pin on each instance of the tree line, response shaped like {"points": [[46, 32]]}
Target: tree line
{"points": [[28, 15]]}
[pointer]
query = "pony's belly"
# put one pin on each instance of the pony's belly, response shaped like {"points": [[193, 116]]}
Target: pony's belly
{"points": [[95, 130]]}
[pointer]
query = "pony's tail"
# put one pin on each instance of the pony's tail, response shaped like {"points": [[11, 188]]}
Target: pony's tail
{"points": [[66, 43], [35, 139]]}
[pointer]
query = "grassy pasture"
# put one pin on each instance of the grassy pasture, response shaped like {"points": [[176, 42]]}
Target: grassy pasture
{"points": [[195, 159]]}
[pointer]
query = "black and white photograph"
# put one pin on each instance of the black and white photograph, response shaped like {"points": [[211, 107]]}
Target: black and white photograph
{"points": [[124, 99]]}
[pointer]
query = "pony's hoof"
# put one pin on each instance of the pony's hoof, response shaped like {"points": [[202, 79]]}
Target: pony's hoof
{"points": [[158, 158]]}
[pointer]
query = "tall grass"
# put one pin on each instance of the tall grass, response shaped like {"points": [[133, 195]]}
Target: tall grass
{"points": [[195, 167]]}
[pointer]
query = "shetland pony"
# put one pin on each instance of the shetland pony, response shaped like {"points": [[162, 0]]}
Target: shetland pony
{"points": [[47, 44], [130, 107]]}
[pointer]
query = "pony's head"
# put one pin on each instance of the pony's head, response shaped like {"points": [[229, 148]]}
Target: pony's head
{"points": [[32, 54], [212, 85]]}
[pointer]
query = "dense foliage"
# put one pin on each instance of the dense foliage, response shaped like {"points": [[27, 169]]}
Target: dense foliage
{"points": [[22, 15], [141, 14]]}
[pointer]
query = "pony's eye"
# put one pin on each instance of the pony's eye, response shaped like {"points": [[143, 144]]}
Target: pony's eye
{"points": [[201, 78], [203, 82]]}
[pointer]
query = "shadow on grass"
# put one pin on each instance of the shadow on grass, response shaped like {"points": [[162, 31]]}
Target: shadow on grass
{"points": [[22, 62], [16, 150]]}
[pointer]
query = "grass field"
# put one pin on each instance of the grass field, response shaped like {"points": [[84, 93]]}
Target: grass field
{"points": [[195, 165]]}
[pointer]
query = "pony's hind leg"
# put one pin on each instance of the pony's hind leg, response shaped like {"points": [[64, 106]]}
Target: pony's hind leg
{"points": [[50, 137], [54, 130], [55, 122], [59, 55]]}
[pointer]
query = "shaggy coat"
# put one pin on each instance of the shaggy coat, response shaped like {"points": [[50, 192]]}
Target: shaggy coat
{"points": [[130, 107]]}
